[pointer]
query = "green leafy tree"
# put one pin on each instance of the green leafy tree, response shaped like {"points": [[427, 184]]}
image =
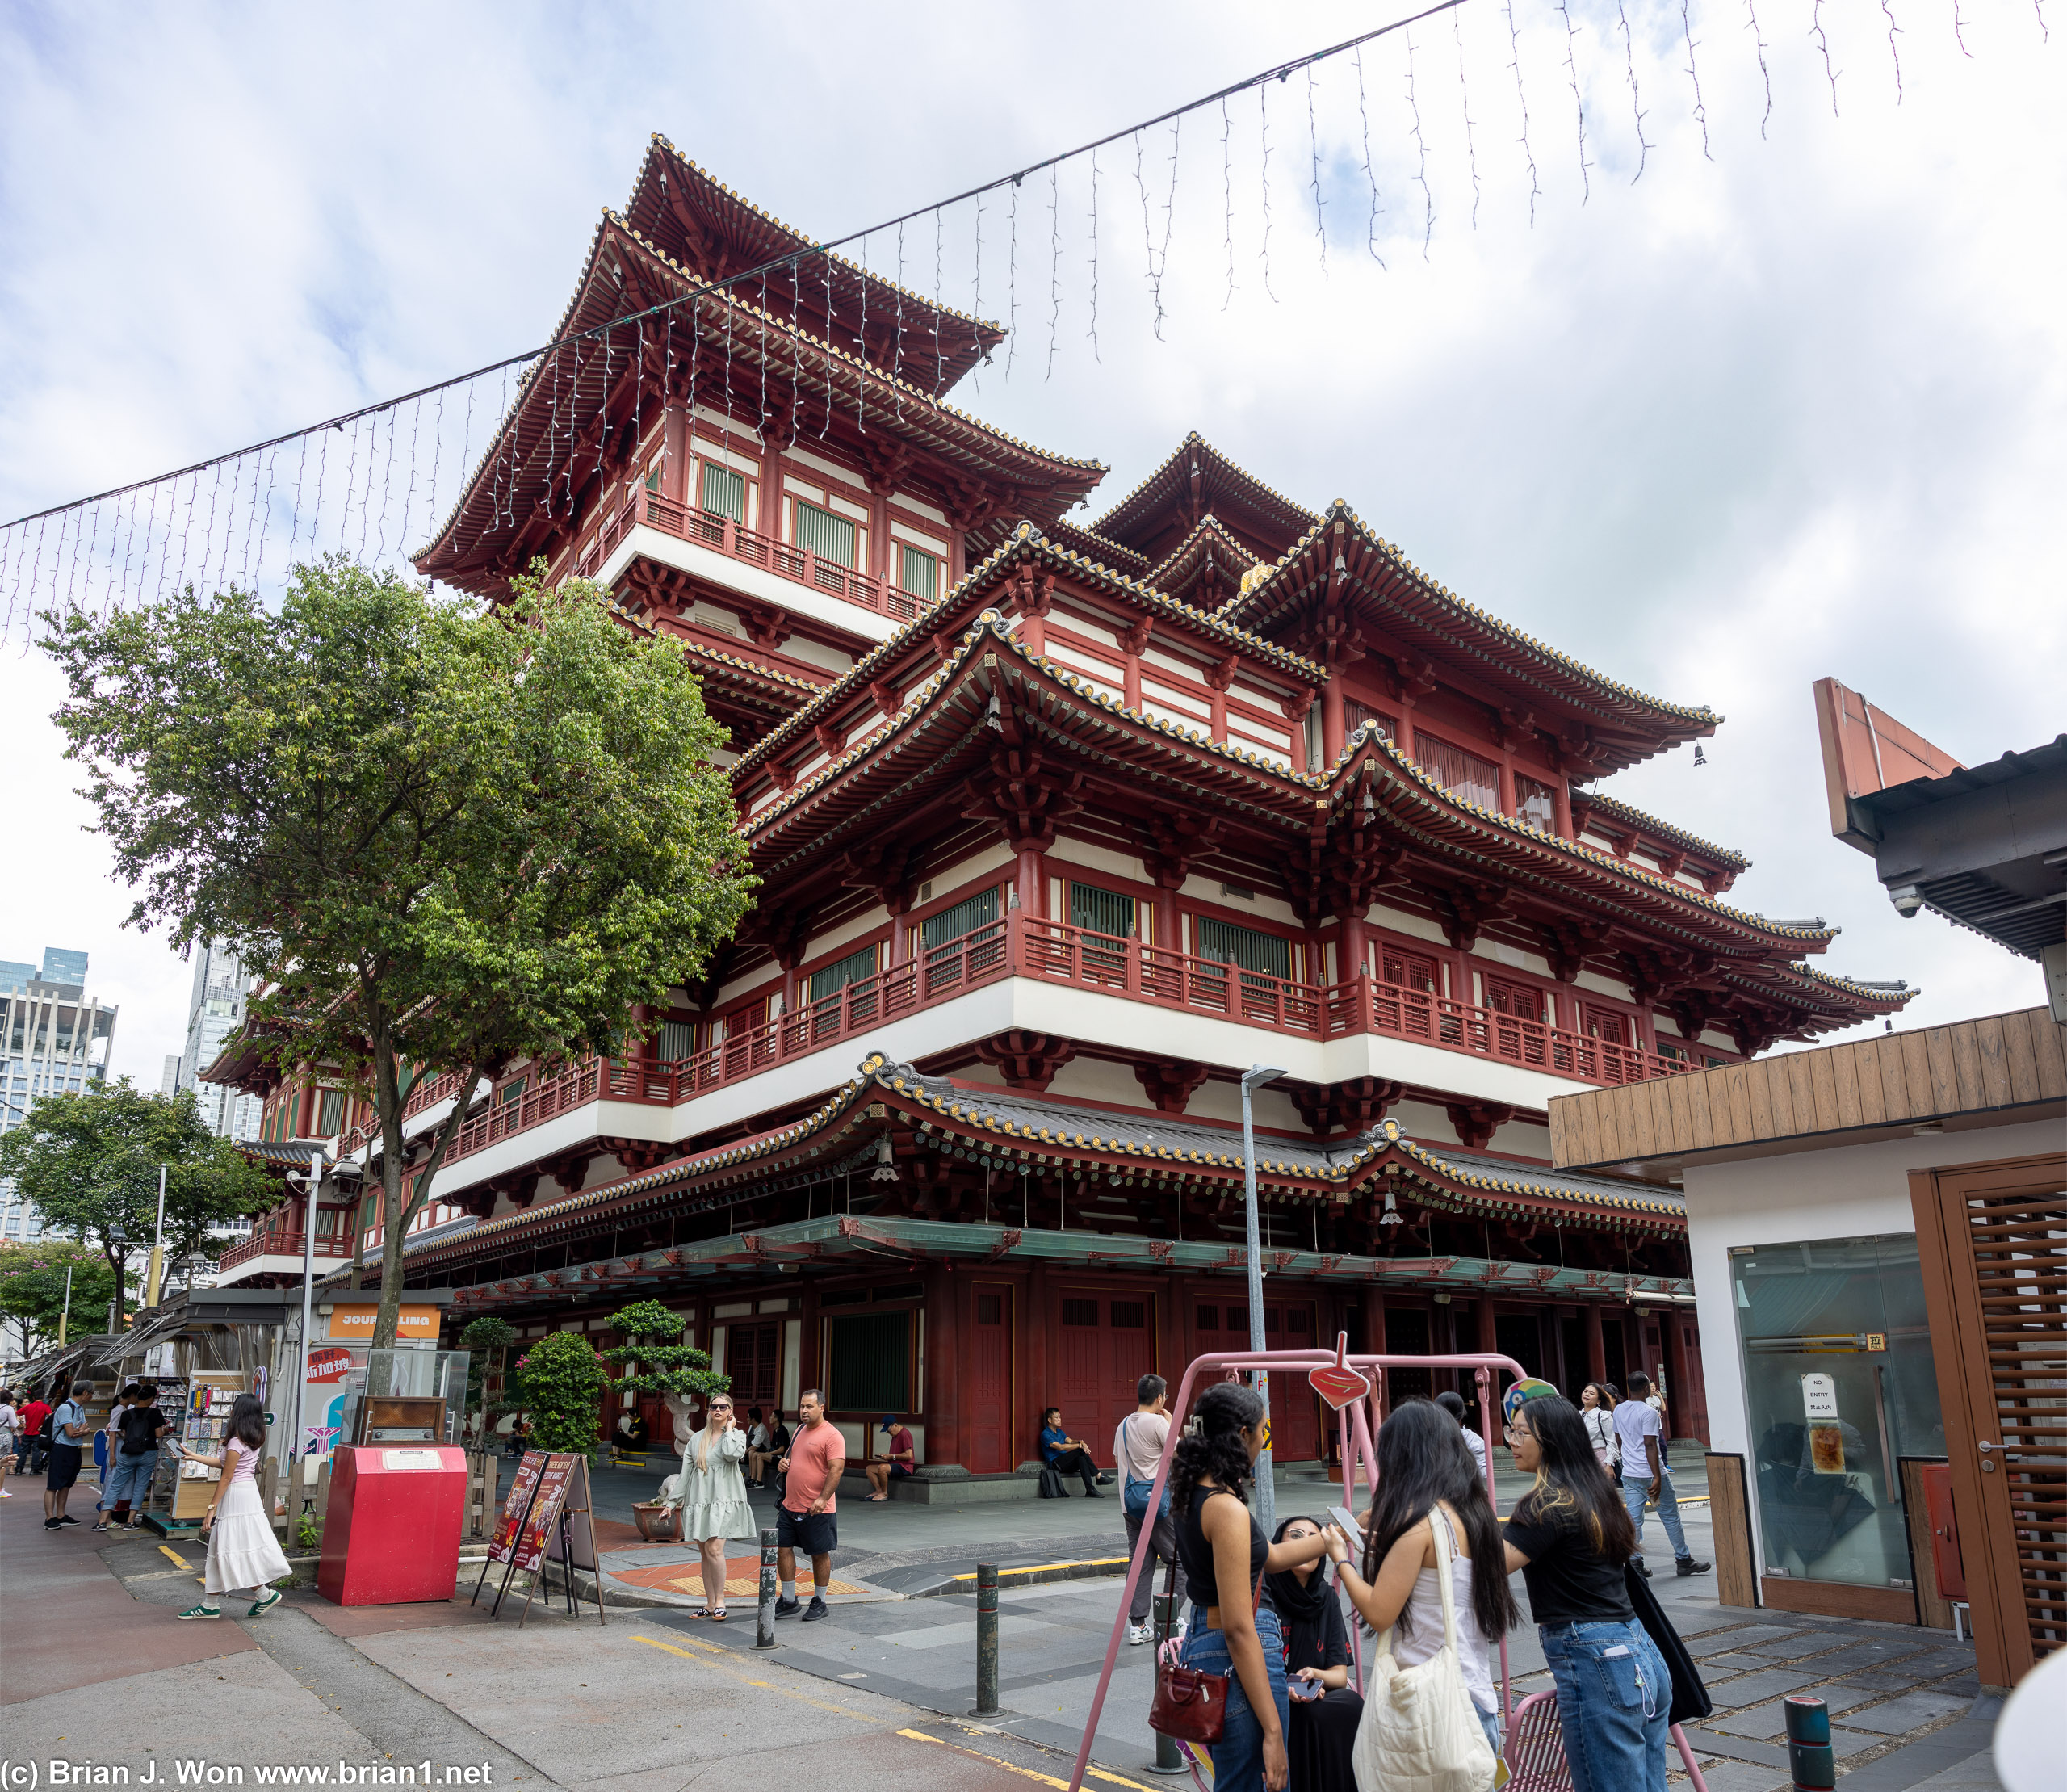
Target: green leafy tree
{"points": [[89, 1159], [33, 1279], [654, 1359], [560, 1380], [451, 841]]}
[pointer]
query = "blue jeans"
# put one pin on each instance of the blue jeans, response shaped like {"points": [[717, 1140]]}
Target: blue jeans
{"points": [[1614, 1704], [130, 1479], [1633, 1493], [1237, 1756]]}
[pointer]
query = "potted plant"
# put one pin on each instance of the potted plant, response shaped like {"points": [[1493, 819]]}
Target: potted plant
{"points": [[486, 1340], [654, 1360], [560, 1382]]}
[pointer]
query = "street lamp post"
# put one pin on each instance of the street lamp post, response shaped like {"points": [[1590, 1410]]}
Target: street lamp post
{"points": [[316, 1165], [118, 1237], [157, 1270], [1266, 1483]]}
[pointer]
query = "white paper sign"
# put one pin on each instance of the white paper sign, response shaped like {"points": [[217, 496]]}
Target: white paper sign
{"points": [[411, 1458], [1819, 1400]]}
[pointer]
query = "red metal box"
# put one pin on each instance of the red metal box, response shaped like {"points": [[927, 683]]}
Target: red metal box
{"points": [[392, 1533]]}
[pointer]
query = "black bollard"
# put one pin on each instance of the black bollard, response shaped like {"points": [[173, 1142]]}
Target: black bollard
{"points": [[1168, 1759], [764, 1628], [1811, 1763], [987, 1640]]}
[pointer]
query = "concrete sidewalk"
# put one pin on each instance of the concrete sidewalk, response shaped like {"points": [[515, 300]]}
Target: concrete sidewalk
{"points": [[96, 1667]]}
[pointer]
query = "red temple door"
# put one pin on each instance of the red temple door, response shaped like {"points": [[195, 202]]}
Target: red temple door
{"points": [[990, 1382], [1103, 1348], [1294, 1408]]}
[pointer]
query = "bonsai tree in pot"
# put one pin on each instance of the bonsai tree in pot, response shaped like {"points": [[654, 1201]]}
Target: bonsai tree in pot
{"points": [[485, 1339], [654, 1360], [559, 1381]]}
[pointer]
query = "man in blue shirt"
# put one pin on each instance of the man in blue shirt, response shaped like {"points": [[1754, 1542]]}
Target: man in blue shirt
{"points": [[1067, 1455], [1644, 1477], [68, 1433]]}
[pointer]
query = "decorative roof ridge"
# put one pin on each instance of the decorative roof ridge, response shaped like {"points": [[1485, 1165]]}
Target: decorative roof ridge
{"points": [[821, 348], [808, 244], [1369, 734], [1340, 510], [1026, 536], [1066, 527], [820, 345], [1869, 991], [1207, 525], [1665, 830], [967, 1107], [1240, 472]]}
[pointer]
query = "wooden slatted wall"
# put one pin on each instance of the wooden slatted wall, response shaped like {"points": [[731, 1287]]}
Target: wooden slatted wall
{"points": [[2002, 1060]]}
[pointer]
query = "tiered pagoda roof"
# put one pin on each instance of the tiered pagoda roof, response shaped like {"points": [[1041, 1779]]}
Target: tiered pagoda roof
{"points": [[1198, 480]]}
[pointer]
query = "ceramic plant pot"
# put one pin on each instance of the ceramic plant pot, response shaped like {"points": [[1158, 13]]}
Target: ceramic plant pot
{"points": [[657, 1523]]}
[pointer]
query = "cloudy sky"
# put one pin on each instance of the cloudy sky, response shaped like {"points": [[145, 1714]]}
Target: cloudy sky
{"points": [[1716, 422]]}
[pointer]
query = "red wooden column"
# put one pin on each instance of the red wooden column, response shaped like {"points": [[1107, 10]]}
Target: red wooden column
{"points": [[1351, 957], [1034, 1390], [1596, 1349], [942, 1395], [676, 459], [1489, 1336], [1032, 876], [1331, 727]]}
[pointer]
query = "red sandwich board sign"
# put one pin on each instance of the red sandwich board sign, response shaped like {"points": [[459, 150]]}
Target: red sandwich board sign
{"points": [[538, 1522], [1336, 1382]]}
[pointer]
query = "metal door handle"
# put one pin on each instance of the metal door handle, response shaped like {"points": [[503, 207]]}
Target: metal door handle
{"points": [[1983, 1446]]}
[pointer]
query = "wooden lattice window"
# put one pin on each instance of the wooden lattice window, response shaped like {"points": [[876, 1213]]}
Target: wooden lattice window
{"points": [[819, 531], [966, 916], [1249, 948], [836, 977], [724, 492], [1461, 772]]}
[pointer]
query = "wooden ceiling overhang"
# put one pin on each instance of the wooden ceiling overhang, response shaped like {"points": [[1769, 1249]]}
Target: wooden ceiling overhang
{"points": [[581, 411], [1340, 579], [935, 1125], [1001, 581], [712, 231], [1198, 480]]}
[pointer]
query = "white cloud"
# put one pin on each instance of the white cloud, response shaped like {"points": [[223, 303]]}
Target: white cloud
{"points": [[1792, 411]]}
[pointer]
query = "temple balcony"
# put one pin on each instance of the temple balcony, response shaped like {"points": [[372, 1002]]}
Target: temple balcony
{"points": [[276, 1249], [729, 554], [1047, 978]]}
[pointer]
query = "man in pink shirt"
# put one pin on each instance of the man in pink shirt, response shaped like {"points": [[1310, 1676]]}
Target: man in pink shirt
{"points": [[817, 1458]]}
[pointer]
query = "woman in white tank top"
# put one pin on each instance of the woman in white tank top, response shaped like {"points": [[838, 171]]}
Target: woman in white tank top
{"points": [[1427, 1477]]}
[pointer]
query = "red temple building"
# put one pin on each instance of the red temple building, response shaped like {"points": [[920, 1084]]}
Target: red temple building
{"points": [[1062, 827]]}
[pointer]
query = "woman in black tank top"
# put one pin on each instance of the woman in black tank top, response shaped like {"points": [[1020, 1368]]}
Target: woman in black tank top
{"points": [[1224, 1549]]}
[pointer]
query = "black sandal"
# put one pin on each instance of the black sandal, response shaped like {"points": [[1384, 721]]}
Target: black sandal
{"points": [[718, 1617]]}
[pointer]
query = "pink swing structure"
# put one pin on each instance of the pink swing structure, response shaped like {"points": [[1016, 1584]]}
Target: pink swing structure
{"points": [[1534, 1748]]}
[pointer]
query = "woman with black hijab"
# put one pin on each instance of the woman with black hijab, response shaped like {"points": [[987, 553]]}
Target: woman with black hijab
{"points": [[1326, 1708]]}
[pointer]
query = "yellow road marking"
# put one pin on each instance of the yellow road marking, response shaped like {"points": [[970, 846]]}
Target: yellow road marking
{"points": [[177, 1561], [726, 1668], [1024, 1772], [1049, 1567]]}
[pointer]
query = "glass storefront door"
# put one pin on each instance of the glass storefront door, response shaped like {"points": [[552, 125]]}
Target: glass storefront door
{"points": [[1840, 1386]]}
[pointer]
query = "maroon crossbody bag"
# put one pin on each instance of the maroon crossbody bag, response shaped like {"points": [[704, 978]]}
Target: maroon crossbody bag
{"points": [[1190, 1704]]}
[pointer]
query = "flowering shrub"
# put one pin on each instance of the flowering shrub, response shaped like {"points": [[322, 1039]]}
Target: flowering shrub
{"points": [[559, 1381]]}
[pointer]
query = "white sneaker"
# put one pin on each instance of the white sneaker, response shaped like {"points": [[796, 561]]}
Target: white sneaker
{"points": [[1137, 1634]]}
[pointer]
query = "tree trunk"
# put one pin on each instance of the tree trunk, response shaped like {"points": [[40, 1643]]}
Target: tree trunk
{"points": [[400, 1204]]}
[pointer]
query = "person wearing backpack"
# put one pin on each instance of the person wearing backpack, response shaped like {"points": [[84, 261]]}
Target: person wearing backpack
{"points": [[1433, 1575], [1138, 1447]]}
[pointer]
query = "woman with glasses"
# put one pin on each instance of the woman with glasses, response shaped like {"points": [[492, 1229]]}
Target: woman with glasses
{"points": [[712, 1493], [1571, 1536]]}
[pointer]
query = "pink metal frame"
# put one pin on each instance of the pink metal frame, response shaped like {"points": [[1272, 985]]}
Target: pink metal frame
{"points": [[1360, 1422]]}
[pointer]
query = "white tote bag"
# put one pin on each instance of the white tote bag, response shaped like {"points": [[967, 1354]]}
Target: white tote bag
{"points": [[1420, 1731]]}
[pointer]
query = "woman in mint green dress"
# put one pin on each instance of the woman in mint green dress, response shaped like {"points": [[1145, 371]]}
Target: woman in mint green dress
{"points": [[711, 1490]]}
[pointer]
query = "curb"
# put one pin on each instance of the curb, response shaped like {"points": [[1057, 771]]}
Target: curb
{"points": [[1098, 1568]]}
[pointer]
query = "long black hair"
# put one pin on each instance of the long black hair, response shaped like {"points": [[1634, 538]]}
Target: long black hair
{"points": [[1422, 1458], [1212, 1443], [1569, 1479], [247, 1422]]}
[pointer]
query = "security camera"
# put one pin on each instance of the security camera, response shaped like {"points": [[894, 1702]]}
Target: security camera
{"points": [[1907, 898]]}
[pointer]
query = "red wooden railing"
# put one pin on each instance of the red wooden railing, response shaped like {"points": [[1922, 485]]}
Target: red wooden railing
{"points": [[283, 1241], [1056, 952], [709, 529]]}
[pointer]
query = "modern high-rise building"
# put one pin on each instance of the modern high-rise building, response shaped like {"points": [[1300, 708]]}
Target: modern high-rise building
{"points": [[57, 1039], [213, 1013]]}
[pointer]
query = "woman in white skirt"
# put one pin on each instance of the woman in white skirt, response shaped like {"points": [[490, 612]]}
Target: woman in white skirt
{"points": [[242, 1552], [712, 1493]]}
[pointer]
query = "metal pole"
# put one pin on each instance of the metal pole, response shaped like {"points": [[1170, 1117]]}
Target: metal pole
{"points": [[987, 1640], [64, 1318], [764, 1628], [1168, 1759], [315, 1167], [1266, 1476], [157, 1270], [1810, 1763]]}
